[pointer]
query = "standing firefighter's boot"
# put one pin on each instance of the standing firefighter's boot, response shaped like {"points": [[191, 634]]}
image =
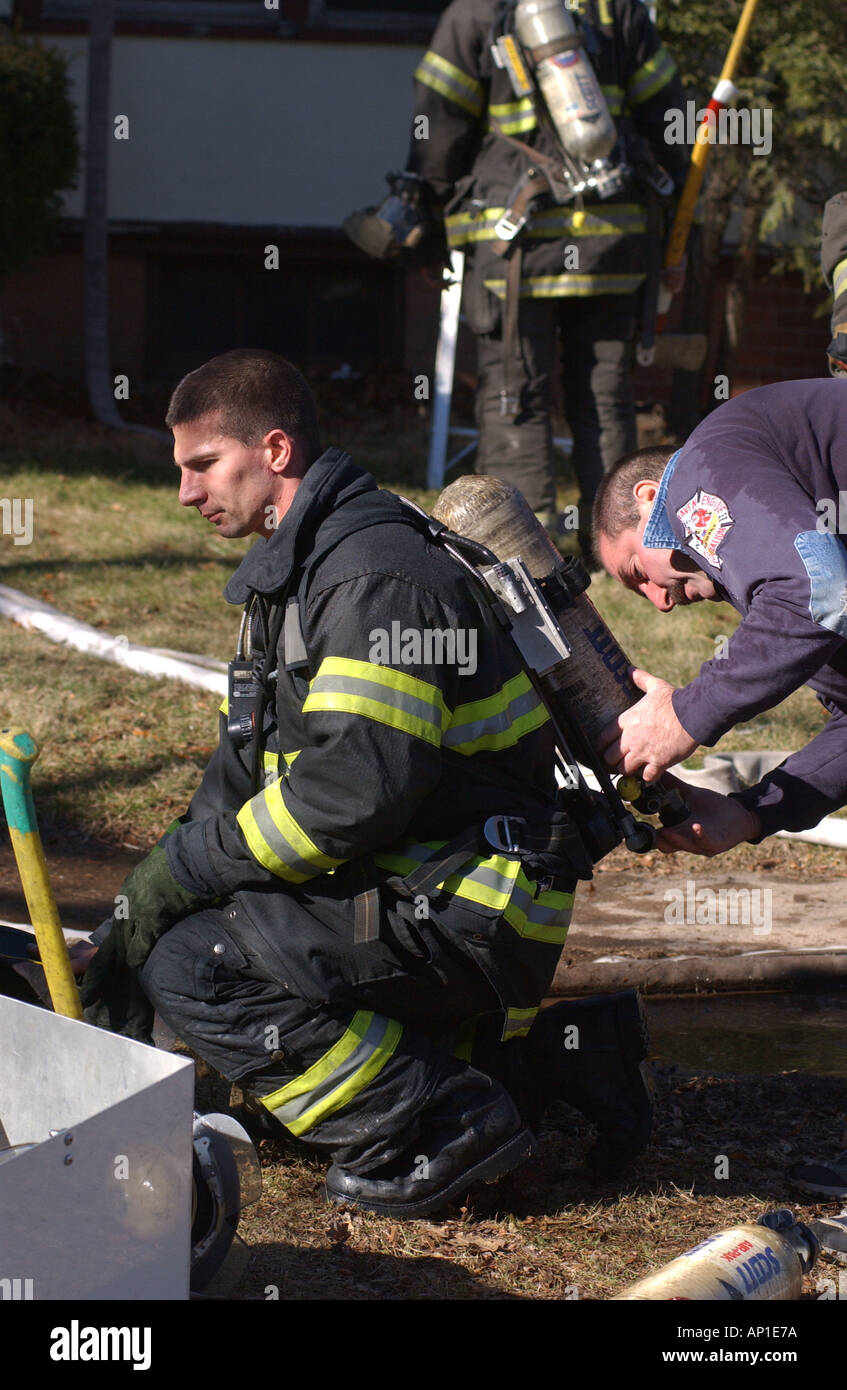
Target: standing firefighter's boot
{"points": [[591, 1053], [469, 1132]]}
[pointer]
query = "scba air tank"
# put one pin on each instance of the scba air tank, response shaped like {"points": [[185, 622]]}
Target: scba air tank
{"points": [[554, 47], [595, 680], [764, 1261]]}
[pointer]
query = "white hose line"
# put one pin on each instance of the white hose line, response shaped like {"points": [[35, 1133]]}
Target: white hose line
{"points": [[33, 613]]}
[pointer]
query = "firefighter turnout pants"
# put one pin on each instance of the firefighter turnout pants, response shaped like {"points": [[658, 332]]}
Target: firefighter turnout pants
{"points": [[594, 339], [346, 1044]]}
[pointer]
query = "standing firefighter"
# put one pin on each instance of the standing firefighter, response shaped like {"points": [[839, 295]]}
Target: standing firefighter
{"points": [[834, 263], [553, 193], [327, 925]]}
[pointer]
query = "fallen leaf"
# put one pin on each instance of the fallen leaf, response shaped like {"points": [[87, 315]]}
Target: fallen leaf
{"points": [[340, 1228]]}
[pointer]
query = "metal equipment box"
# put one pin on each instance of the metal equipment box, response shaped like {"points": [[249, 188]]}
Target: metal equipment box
{"points": [[102, 1209]]}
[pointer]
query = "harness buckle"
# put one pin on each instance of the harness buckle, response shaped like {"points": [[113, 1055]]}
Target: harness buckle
{"points": [[507, 229], [502, 833]]}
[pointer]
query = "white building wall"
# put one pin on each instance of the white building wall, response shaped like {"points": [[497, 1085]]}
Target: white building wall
{"points": [[250, 132]]}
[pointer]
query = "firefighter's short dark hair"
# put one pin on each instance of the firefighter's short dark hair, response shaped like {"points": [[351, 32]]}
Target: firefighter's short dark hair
{"points": [[615, 508], [254, 391]]}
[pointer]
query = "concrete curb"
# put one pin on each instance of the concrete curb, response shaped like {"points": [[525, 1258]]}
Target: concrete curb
{"points": [[800, 971]]}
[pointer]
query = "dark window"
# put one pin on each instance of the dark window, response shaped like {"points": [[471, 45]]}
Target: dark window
{"points": [[305, 311]]}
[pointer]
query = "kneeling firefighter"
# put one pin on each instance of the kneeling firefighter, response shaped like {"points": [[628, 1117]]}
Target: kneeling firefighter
{"points": [[539, 138], [362, 909]]}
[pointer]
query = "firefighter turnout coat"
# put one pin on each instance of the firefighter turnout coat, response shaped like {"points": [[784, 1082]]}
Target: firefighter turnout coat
{"points": [[468, 104], [400, 718], [834, 265]]}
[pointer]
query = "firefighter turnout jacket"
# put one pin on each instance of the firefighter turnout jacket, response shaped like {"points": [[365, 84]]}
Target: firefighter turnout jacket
{"points": [[756, 498], [469, 105], [399, 717], [834, 265]]}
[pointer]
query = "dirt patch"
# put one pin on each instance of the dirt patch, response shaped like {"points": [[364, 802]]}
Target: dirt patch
{"points": [[705, 912], [85, 875]]}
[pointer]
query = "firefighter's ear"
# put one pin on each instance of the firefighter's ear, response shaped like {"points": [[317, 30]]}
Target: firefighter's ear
{"points": [[646, 490], [283, 453]]}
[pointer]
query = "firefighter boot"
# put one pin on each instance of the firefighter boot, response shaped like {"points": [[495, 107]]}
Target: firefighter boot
{"points": [[590, 1053], [470, 1132]]}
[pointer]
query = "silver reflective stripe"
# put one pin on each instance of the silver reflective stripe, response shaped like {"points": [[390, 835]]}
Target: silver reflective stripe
{"points": [[294, 646], [494, 723], [321, 1093], [276, 841], [482, 874], [518, 1023], [373, 690]]}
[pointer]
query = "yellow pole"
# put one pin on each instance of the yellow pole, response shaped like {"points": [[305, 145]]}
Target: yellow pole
{"points": [[18, 751], [700, 154]]}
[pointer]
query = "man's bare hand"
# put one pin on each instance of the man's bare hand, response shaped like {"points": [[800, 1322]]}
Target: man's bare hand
{"points": [[717, 823], [648, 738]]}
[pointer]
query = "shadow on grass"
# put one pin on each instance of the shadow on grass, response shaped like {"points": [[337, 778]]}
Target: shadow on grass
{"points": [[164, 560], [291, 1273], [108, 778], [745, 1126]]}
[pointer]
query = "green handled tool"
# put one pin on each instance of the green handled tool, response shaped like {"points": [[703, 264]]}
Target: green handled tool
{"points": [[18, 751]]}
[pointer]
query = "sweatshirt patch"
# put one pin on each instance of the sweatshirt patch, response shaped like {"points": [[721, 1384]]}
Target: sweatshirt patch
{"points": [[707, 520]]}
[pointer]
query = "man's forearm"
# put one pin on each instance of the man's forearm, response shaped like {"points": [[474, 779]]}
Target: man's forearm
{"points": [[809, 785]]}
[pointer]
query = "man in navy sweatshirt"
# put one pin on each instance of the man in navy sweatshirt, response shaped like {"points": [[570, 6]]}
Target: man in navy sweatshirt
{"points": [[751, 511]]}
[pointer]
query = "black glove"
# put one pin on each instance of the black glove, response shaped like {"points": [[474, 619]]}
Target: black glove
{"points": [[110, 991]]}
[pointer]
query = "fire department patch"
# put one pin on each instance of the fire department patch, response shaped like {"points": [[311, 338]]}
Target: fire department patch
{"points": [[707, 520]]}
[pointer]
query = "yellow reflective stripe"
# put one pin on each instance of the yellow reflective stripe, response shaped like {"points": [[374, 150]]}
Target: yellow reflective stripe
{"points": [[517, 1023], [651, 77], [270, 767], [498, 109], [609, 220], [494, 882], [461, 1044], [839, 278], [614, 219], [563, 286], [463, 227], [545, 918], [339, 1076], [288, 758], [450, 82], [614, 98], [516, 125], [497, 722], [277, 841], [224, 706], [488, 881], [380, 693], [471, 882], [512, 117]]}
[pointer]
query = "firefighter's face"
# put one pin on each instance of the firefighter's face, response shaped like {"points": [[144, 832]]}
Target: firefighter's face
{"points": [[240, 489], [666, 578]]}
